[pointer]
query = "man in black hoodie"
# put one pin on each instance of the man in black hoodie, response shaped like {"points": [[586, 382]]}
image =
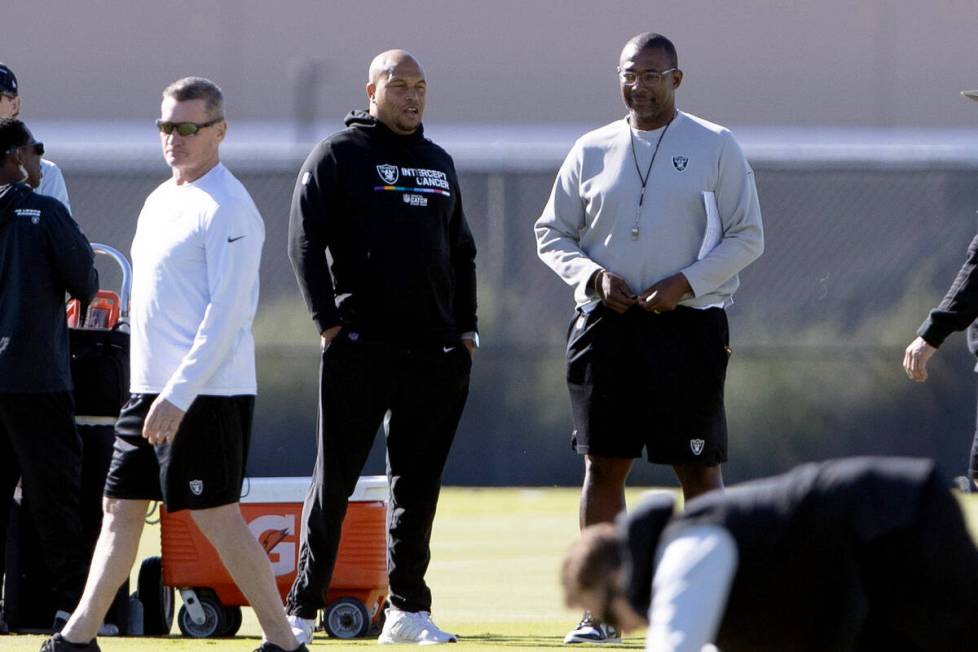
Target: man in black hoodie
{"points": [[853, 554], [43, 255], [396, 311]]}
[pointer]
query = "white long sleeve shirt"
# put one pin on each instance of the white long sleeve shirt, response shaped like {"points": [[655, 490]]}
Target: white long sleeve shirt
{"points": [[53, 183], [693, 574], [196, 256], [587, 224]]}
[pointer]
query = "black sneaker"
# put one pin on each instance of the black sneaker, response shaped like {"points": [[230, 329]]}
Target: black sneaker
{"points": [[271, 647], [58, 643], [591, 631]]}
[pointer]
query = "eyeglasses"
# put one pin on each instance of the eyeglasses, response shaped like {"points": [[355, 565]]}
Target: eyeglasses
{"points": [[648, 77], [38, 148], [185, 128]]}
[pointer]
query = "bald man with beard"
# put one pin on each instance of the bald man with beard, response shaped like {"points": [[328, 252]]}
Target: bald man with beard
{"points": [[396, 313]]}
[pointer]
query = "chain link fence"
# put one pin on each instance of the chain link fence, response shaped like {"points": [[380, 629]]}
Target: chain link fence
{"points": [[857, 251]]}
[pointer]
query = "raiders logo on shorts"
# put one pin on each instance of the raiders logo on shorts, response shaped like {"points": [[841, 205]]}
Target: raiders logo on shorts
{"points": [[197, 487], [696, 445]]}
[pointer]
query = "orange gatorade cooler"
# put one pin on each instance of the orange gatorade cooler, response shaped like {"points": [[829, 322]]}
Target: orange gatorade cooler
{"points": [[272, 507]]}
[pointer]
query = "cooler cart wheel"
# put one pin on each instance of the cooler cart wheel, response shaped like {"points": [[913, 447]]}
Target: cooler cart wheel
{"points": [[157, 599], [214, 620], [346, 618], [232, 621]]}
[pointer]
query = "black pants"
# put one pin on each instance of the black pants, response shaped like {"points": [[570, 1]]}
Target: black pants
{"points": [[425, 390], [39, 442]]}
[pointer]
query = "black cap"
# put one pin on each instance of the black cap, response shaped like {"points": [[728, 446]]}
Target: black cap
{"points": [[8, 81]]}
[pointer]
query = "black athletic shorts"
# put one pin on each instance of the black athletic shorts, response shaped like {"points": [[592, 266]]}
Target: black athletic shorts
{"points": [[641, 380], [202, 468]]}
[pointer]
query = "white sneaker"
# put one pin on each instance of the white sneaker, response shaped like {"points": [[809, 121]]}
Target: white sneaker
{"points": [[591, 631], [412, 627], [302, 628], [61, 619]]}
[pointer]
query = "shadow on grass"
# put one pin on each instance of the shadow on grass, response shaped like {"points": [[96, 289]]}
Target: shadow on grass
{"points": [[502, 640]]}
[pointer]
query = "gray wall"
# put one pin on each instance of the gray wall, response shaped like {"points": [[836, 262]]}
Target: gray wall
{"points": [[834, 62]]}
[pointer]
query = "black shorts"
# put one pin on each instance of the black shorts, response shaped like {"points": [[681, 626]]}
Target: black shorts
{"points": [[642, 380], [202, 468]]}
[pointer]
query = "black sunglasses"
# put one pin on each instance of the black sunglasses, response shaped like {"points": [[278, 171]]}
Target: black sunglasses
{"points": [[38, 148], [184, 128]]}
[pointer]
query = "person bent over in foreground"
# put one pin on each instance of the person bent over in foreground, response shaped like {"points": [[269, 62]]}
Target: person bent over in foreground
{"points": [[853, 554]]}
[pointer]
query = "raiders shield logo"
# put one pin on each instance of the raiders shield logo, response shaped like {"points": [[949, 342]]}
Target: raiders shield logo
{"points": [[388, 173], [679, 162], [696, 445], [197, 487]]}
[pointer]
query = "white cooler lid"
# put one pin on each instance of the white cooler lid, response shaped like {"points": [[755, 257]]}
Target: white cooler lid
{"points": [[293, 490]]}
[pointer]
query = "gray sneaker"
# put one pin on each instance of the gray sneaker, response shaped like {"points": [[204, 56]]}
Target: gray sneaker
{"points": [[591, 631]]}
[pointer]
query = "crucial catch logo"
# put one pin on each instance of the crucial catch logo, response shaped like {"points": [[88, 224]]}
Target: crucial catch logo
{"points": [[415, 200]]}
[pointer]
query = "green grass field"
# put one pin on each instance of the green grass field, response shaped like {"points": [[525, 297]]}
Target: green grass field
{"points": [[494, 576]]}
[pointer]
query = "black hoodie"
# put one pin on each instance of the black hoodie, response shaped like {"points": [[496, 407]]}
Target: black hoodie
{"points": [[388, 209], [43, 255]]}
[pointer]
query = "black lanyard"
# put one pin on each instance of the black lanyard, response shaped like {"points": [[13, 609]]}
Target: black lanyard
{"points": [[648, 173]]}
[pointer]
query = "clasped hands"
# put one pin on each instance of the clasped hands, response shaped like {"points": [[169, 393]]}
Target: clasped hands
{"points": [[664, 296]]}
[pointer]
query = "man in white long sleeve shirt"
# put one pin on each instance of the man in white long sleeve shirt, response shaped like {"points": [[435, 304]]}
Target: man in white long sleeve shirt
{"points": [[650, 220], [52, 181], [183, 436]]}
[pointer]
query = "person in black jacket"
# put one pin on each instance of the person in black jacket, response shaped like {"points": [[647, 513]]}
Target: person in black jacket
{"points": [[396, 311], [43, 255], [853, 554], [956, 312]]}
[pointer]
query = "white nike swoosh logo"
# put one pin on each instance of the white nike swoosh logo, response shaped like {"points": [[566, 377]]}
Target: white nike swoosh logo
{"points": [[447, 349]]}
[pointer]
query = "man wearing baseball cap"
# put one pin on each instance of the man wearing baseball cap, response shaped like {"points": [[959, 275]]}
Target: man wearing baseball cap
{"points": [[52, 181], [957, 311]]}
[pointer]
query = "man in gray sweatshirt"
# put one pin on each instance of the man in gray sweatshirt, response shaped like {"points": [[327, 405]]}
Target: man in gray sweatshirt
{"points": [[650, 220]]}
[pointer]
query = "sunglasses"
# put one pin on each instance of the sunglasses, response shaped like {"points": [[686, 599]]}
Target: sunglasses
{"points": [[37, 147], [184, 128]]}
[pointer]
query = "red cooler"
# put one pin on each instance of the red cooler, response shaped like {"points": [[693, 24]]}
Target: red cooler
{"points": [[272, 508]]}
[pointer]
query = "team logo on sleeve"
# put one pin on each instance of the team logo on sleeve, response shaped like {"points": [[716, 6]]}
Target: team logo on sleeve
{"points": [[696, 445], [388, 173], [32, 213], [679, 162]]}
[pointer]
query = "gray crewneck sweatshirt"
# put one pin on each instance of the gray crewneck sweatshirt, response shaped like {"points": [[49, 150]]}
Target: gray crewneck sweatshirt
{"points": [[588, 222]]}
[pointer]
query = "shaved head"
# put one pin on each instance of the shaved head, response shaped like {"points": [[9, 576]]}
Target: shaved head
{"points": [[385, 63], [396, 90]]}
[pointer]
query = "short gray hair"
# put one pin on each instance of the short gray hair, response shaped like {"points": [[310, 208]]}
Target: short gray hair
{"points": [[198, 88]]}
